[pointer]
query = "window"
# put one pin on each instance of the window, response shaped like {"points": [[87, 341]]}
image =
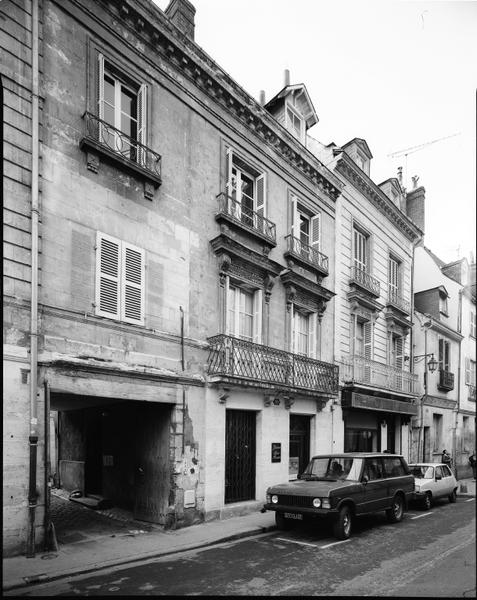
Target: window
{"points": [[119, 280], [294, 122], [446, 472], [393, 467], [360, 250], [373, 468], [397, 351], [472, 324], [443, 304], [244, 314], [306, 229], [444, 355], [363, 338], [470, 371], [246, 189], [437, 431], [122, 104], [465, 434], [394, 278], [304, 333]]}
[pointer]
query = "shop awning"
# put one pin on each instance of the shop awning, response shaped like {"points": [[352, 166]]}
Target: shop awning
{"points": [[355, 400]]}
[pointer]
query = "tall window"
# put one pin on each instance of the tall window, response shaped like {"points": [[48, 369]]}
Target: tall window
{"points": [[444, 355], [121, 104], [394, 278], [244, 314], [437, 432], [304, 333], [397, 351], [360, 250], [363, 338], [473, 325], [443, 303], [306, 229], [119, 280], [246, 189], [470, 371], [294, 122]]}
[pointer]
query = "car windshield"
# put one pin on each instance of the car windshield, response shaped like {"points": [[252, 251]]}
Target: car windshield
{"points": [[333, 468], [422, 471]]}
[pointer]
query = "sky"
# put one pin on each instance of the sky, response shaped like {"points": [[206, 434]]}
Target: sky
{"points": [[398, 74]]}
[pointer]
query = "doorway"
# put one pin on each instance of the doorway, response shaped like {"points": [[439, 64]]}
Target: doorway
{"points": [[299, 444], [240, 438]]}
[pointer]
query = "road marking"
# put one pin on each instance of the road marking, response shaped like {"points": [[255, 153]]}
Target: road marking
{"points": [[423, 515], [334, 544], [296, 542]]}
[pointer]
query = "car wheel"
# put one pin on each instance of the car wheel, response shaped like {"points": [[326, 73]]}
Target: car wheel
{"points": [[282, 523], [342, 525], [426, 503], [395, 513], [453, 496]]}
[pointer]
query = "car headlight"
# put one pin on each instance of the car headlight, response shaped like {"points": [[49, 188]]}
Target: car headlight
{"points": [[317, 502], [274, 499], [417, 488]]}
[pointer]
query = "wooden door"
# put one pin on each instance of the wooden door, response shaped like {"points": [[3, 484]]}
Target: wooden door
{"points": [[240, 456]]}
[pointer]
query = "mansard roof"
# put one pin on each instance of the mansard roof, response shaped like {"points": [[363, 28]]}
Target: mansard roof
{"points": [[363, 146], [311, 117]]}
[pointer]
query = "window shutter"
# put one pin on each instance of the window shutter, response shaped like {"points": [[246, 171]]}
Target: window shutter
{"points": [[100, 86], [441, 354], [257, 316], [229, 161], [399, 353], [132, 292], [368, 339], [293, 332], [228, 304], [312, 321], [467, 371], [260, 204], [295, 220], [447, 356], [108, 256], [316, 231], [142, 122]]}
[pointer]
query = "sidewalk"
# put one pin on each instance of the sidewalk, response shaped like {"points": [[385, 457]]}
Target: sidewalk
{"points": [[129, 546]]}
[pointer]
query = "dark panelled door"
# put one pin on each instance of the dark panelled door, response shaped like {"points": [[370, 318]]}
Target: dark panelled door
{"points": [[239, 455], [300, 440]]}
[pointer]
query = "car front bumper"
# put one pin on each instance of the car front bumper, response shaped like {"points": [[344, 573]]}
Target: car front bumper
{"points": [[302, 510]]}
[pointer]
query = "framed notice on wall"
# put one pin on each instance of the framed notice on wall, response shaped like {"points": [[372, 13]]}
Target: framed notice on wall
{"points": [[293, 463], [276, 452]]}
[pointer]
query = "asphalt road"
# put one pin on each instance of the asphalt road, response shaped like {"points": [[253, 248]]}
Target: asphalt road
{"points": [[427, 554]]}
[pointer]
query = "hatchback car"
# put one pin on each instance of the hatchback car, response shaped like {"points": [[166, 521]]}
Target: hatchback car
{"points": [[338, 487], [432, 481]]}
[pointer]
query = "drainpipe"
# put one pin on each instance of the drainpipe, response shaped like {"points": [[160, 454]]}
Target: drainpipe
{"points": [[411, 339], [457, 406], [33, 437]]}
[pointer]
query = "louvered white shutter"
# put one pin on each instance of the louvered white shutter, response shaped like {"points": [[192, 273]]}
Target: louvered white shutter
{"points": [[441, 354], [260, 204], [229, 303], [399, 353], [100, 94], [368, 339], [142, 123], [295, 217], [292, 329], [315, 226], [312, 321], [132, 289], [468, 378], [229, 161], [108, 269], [257, 316]]}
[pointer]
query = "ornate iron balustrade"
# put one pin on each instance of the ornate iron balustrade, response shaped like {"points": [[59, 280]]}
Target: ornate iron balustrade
{"points": [[472, 393], [365, 280], [359, 369], [237, 358], [312, 256], [446, 380], [397, 300], [121, 144], [246, 217]]}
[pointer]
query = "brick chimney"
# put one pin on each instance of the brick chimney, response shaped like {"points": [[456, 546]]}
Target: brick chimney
{"points": [[182, 13], [415, 206]]}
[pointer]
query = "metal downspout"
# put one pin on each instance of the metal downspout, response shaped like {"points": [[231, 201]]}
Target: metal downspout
{"points": [[411, 340], [33, 437], [457, 407]]}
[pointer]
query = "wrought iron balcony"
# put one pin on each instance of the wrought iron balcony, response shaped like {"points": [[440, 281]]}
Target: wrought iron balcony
{"points": [[472, 393], [307, 254], [365, 281], [395, 299], [233, 358], [446, 380], [246, 218], [356, 369], [105, 138]]}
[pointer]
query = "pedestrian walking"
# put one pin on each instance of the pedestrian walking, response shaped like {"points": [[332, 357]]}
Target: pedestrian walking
{"points": [[472, 463], [446, 458]]}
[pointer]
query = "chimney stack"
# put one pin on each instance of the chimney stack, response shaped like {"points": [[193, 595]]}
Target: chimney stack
{"points": [[262, 97], [181, 13], [400, 175], [415, 179], [287, 78]]}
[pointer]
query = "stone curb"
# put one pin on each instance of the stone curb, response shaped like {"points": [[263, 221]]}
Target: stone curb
{"points": [[43, 577]]}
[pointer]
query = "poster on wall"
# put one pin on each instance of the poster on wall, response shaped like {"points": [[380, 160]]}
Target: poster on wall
{"points": [[276, 452]]}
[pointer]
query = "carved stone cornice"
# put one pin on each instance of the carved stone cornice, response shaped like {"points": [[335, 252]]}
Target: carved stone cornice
{"points": [[346, 166], [359, 299], [155, 30], [304, 292], [396, 319]]}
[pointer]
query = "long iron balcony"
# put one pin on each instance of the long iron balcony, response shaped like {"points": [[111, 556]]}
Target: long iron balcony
{"points": [[115, 142], [234, 358], [246, 218], [395, 299], [365, 280], [306, 253], [356, 369]]}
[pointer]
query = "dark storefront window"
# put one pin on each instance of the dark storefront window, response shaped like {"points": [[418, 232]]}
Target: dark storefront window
{"points": [[360, 440]]}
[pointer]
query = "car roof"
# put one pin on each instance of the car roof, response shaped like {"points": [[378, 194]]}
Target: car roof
{"points": [[422, 464], [356, 455]]}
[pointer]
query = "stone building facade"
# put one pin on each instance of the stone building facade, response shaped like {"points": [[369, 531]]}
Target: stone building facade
{"points": [[169, 271]]}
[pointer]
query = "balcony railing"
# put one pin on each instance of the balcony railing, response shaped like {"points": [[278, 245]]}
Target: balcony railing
{"points": [[105, 135], [307, 253], [361, 370], [365, 280], [397, 300], [237, 358], [472, 393], [246, 217], [446, 380]]}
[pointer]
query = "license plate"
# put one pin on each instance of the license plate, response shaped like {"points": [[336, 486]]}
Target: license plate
{"points": [[293, 516]]}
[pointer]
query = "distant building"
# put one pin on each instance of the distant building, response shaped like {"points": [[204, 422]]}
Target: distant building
{"points": [[445, 327]]}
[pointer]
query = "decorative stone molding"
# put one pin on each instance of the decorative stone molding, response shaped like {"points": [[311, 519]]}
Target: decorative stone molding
{"points": [[92, 162], [223, 395], [306, 293]]}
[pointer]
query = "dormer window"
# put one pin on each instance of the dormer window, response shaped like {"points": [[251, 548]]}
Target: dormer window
{"points": [[443, 304], [294, 122], [362, 162]]}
